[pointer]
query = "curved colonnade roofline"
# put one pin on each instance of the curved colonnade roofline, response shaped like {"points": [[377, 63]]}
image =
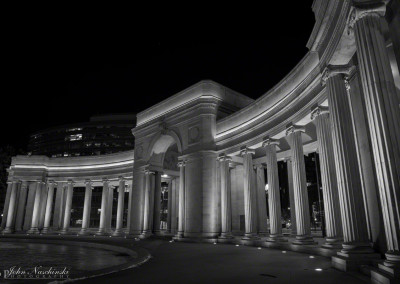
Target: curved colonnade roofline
{"points": [[77, 169]]}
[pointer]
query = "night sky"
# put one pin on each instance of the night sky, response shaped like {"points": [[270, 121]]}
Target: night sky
{"points": [[60, 78]]}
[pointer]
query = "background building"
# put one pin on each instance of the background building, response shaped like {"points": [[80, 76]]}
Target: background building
{"points": [[103, 134]]}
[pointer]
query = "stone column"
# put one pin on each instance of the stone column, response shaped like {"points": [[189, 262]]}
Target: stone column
{"points": [[334, 232], [43, 200], [354, 224], [157, 203], [21, 206], [274, 197], [383, 113], [226, 211], [147, 214], [250, 206], [87, 208], [29, 205], [169, 216], [68, 205], [11, 208], [103, 214], [6, 203], [174, 204], [110, 203], [303, 225], [291, 197], [120, 210], [49, 206], [36, 209], [181, 205], [261, 201]]}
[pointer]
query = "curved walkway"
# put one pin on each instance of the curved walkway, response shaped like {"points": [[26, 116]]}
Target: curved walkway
{"points": [[208, 263]]}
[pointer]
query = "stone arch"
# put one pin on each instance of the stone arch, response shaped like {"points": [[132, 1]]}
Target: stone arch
{"points": [[160, 143]]}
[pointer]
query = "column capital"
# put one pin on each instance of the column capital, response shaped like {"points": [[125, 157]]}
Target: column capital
{"points": [[149, 172], [121, 178], [16, 181], [223, 157], [294, 128], [360, 11], [70, 182], [270, 141], [332, 70], [88, 182], [245, 150], [318, 110], [51, 182], [105, 180], [259, 166], [181, 164]]}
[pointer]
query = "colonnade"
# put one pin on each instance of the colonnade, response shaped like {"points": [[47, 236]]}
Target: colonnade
{"points": [[31, 205]]}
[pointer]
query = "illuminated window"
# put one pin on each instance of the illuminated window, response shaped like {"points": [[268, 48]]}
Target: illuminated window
{"points": [[74, 129], [73, 137]]}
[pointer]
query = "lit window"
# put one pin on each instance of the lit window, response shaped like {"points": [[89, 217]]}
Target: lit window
{"points": [[73, 137], [74, 129]]}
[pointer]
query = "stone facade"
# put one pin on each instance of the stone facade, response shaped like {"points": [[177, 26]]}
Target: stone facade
{"points": [[211, 145]]}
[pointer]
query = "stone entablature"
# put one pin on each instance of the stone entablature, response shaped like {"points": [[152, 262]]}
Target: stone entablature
{"points": [[78, 169]]}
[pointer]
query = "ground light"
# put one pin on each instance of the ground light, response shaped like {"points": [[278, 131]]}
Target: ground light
{"points": [[318, 269], [283, 251], [259, 248], [237, 245], [311, 256], [215, 243]]}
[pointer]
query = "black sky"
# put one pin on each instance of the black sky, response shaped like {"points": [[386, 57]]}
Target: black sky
{"points": [[65, 76]]}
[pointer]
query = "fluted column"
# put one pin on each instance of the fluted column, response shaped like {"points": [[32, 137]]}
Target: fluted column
{"points": [[250, 205], [169, 216], [36, 209], [274, 198], [303, 225], [120, 210], [11, 208], [157, 203], [110, 204], [334, 232], [49, 206], [291, 197], [383, 113], [103, 214], [87, 206], [261, 201], [68, 206], [21, 206], [226, 212], [352, 207], [147, 214], [181, 205]]}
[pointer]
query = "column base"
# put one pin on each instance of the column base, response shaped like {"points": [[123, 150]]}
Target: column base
{"points": [[33, 230], [226, 238], [102, 232], [352, 262], [389, 270], [333, 243], [249, 239], [304, 240], [278, 238], [145, 234], [84, 232], [45, 231], [64, 231], [118, 233], [8, 230]]}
